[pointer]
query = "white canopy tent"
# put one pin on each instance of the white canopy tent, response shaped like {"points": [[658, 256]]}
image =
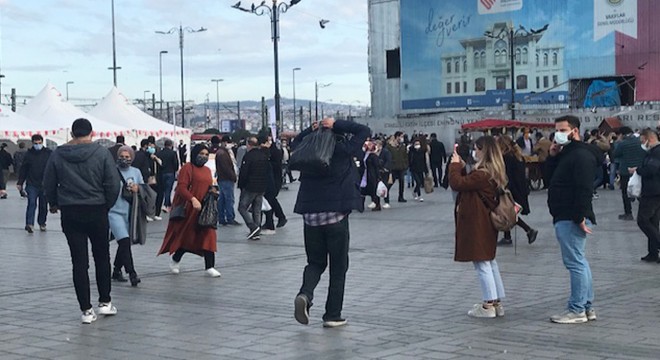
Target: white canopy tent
{"points": [[117, 109], [15, 127], [49, 109]]}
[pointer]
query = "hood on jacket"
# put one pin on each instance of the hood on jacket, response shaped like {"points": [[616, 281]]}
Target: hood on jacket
{"points": [[77, 153]]}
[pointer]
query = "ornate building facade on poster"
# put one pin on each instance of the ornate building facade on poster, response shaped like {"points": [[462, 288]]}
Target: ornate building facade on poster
{"points": [[485, 64]]}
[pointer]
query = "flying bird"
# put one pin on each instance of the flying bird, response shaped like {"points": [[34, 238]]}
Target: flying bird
{"points": [[237, 5], [323, 22]]}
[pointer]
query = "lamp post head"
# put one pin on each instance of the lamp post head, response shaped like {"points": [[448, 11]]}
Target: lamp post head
{"points": [[163, 52], [68, 82], [295, 69]]}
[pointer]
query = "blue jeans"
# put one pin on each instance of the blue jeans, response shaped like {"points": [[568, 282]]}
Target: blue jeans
{"points": [[573, 241], [613, 169], [168, 183], [226, 213], [35, 194], [490, 280]]}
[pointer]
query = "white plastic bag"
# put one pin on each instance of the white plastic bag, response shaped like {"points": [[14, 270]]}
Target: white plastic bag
{"points": [[265, 205], [635, 186], [381, 190]]}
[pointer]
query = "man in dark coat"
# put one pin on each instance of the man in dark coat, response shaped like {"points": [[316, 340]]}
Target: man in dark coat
{"points": [[252, 180], [32, 172], [183, 152], [325, 203], [438, 158], [5, 162], [572, 165], [649, 203], [629, 154], [169, 164]]}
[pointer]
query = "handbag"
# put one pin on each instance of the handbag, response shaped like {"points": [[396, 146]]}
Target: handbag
{"points": [[504, 215], [265, 205], [428, 184], [208, 216], [151, 180], [126, 194], [178, 213], [314, 153]]}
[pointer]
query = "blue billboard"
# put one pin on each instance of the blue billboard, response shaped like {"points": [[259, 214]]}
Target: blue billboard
{"points": [[458, 53]]}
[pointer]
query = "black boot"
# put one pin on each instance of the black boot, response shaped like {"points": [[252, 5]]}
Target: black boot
{"points": [[118, 276], [135, 280], [505, 241]]}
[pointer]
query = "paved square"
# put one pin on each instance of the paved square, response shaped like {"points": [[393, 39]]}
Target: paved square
{"points": [[405, 296]]}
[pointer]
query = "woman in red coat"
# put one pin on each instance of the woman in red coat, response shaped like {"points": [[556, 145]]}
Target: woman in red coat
{"points": [[476, 237], [182, 236]]}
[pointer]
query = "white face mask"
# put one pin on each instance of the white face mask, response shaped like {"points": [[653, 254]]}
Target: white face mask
{"points": [[562, 138], [474, 155], [417, 147], [645, 147]]}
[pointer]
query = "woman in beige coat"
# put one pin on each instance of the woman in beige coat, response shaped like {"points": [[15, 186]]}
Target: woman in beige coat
{"points": [[476, 238]]}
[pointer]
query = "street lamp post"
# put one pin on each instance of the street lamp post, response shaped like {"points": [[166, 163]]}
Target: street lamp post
{"points": [[294, 97], [181, 30], [510, 35], [144, 99], [274, 13], [114, 67], [217, 101], [67, 89], [160, 76], [316, 102]]}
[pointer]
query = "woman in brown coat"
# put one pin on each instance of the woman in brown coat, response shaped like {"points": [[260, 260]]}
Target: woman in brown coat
{"points": [[182, 236], [476, 238]]}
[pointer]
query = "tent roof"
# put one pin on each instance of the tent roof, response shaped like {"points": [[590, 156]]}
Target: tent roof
{"points": [[11, 121], [48, 107], [116, 108], [487, 124]]}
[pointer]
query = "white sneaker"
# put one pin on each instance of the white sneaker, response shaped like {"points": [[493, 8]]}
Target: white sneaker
{"points": [[158, 218], [421, 199], [267, 232], [150, 219], [372, 205], [386, 206], [107, 309], [569, 317], [88, 316], [416, 198], [174, 267], [499, 309], [212, 272], [479, 311]]}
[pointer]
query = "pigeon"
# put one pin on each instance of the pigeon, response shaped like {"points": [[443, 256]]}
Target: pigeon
{"points": [[323, 22]]}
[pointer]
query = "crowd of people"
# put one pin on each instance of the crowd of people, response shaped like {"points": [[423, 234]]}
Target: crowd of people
{"points": [[112, 193]]}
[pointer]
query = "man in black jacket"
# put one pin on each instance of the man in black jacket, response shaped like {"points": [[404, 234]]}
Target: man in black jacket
{"points": [[5, 162], [252, 180], [82, 180], [438, 157], [325, 203], [32, 171], [169, 164], [572, 167], [648, 217]]}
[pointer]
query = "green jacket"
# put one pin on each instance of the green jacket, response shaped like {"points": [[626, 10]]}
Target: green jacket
{"points": [[399, 156], [628, 153]]}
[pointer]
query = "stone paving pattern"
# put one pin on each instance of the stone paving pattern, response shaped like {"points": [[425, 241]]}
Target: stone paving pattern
{"points": [[405, 296]]}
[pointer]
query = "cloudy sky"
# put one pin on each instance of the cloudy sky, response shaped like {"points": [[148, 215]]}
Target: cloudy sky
{"points": [[70, 40]]}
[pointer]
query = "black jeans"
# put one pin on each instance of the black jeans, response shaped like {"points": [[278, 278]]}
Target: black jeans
{"points": [[322, 242], [648, 220], [627, 204], [418, 177], [397, 175], [80, 223], [209, 257], [522, 224], [436, 169], [124, 256]]}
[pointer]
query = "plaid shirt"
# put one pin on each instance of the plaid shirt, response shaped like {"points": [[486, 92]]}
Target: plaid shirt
{"points": [[322, 219]]}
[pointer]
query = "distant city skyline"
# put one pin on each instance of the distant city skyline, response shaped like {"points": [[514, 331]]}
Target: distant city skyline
{"points": [[60, 41]]}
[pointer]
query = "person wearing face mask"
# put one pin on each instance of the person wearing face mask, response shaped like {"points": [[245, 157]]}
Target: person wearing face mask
{"points": [[649, 201], [169, 164], [253, 181], [475, 235], [370, 175], [32, 175], [142, 160], [397, 147], [572, 167], [629, 154], [185, 235], [418, 167], [119, 215]]}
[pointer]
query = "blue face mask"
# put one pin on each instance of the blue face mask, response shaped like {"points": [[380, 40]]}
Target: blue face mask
{"points": [[151, 150], [38, 146]]}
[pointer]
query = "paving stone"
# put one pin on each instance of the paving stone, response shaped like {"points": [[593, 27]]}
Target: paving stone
{"points": [[405, 296]]}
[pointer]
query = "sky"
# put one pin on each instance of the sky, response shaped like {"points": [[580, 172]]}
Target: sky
{"points": [[59, 41], [570, 25]]}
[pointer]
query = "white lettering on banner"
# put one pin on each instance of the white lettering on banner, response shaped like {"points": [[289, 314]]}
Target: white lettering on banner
{"points": [[615, 15], [498, 6]]}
